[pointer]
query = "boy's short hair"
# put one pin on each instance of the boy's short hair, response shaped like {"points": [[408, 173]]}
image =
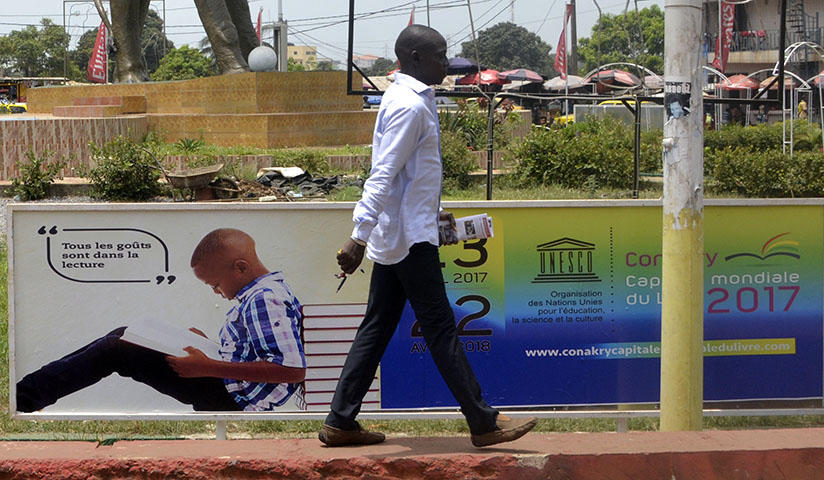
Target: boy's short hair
{"points": [[215, 242]]}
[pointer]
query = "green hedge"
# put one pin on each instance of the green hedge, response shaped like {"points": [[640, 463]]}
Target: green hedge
{"points": [[596, 153], [769, 173], [744, 160]]}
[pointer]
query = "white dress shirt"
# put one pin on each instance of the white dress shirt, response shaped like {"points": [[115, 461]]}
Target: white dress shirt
{"points": [[401, 198]]}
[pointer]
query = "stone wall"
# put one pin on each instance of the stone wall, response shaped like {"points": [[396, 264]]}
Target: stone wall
{"points": [[63, 136], [265, 109]]}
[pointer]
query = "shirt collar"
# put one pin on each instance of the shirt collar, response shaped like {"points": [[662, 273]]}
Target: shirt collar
{"points": [[411, 82], [272, 276]]}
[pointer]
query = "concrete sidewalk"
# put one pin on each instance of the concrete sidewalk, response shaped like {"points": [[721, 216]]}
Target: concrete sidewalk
{"points": [[730, 455]]}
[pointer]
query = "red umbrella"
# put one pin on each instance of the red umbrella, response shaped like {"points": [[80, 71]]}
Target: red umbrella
{"points": [[819, 79], [521, 74], [739, 82], [613, 77], [488, 77]]}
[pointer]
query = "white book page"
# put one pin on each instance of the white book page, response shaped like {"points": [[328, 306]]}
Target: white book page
{"points": [[169, 339]]}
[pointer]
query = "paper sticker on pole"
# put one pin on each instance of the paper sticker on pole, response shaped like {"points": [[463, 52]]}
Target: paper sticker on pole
{"points": [[677, 98]]}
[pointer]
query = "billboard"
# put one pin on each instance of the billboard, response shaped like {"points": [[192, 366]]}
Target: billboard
{"points": [[560, 307]]}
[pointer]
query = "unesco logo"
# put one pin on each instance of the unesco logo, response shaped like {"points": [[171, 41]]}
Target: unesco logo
{"points": [[566, 260]]}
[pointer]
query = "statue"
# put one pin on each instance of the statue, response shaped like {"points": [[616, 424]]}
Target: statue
{"points": [[228, 25]]}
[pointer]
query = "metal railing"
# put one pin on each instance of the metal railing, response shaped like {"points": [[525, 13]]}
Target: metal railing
{"points": [[755, 40]]}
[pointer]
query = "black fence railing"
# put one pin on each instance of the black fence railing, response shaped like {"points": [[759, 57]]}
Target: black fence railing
{"points": [[754, 40]]}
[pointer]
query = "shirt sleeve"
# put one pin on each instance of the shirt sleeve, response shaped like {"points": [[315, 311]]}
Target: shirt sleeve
{"points": [[400, 135], [273, 330]]}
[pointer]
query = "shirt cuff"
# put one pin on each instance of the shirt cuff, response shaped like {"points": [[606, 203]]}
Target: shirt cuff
{"points": [[362, 231]]}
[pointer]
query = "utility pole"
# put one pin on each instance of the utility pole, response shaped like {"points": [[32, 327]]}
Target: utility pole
{"points": [[281, 44], [682, 287], [572, 48], [427, 15]]}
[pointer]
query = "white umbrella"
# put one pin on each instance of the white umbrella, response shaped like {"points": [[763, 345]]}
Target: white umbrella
{"points": [[653, 82], [558, 83]]}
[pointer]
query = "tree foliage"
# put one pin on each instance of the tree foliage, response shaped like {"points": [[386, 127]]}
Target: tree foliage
{"points": [[325, 66], [293, 65], [382, 66], [83, 51], [36, 51], [153, 44], [183, 63], [506, 46], [625, 38]]}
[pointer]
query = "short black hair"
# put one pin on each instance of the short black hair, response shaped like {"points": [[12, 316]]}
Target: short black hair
{"points": [[217, 241], [415, 37]]}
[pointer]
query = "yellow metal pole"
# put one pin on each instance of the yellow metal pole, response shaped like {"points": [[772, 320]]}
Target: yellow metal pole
{"points": [[682, 319]]}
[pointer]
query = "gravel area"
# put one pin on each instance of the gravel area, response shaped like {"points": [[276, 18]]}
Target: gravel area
{"points": [[6, 200]]}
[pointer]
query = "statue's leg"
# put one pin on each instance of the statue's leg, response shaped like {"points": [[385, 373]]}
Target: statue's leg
{"points": [[242, 18], [223, 35], [128, 17]]}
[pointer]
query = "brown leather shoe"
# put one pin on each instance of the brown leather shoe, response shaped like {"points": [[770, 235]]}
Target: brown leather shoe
{"points": [[508, 429], [335, 437]]}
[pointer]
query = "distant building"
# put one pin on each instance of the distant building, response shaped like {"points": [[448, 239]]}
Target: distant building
{"points": [[306, 55], [364, 61], [755, 37]]}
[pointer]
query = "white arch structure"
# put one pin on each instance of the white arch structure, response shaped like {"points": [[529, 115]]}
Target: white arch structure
{"points": [[789, 52]]}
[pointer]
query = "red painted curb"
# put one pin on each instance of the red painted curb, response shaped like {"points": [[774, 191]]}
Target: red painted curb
{"points": [[761, 454]]}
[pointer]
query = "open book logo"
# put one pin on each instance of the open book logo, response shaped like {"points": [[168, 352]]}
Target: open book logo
{"points": [[777, 246], [566, 260]]}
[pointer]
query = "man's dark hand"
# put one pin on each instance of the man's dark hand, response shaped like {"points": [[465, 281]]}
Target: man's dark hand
{"points": [[350, 256]]}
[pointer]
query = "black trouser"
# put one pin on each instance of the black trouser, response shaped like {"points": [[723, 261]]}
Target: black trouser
{"points": [[109, 354], [417, 278]]}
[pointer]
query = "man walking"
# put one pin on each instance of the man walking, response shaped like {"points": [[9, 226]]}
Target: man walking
{"points": [[396, 225]]}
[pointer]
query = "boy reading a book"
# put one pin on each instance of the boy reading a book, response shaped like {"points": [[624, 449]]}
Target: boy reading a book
{"points": [[262, 362]]}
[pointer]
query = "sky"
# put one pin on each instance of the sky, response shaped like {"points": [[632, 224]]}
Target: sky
{"points": [[323, 23]]}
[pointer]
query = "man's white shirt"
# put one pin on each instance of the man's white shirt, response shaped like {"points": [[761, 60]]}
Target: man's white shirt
{"points": [[401, 198]]}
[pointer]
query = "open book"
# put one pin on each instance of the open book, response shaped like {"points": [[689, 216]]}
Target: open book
{"points": [[466, 228], [169, 339]]}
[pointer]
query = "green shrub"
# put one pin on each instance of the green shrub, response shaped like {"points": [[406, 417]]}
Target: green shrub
{"points": [[123, 171], [36, 174], [592, 154], [190, 146], [470, 122], [310, 160], [458, 161], [769, 173], [806, 136]]}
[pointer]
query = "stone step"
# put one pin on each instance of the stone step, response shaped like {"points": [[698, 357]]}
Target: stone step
{"points": [[128, 103], [88, 111]]}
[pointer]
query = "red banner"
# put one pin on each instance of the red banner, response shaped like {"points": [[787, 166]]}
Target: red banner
{"points": [[257, 27], [98, 70], [561, 54], [722, 45], [411, 16]]}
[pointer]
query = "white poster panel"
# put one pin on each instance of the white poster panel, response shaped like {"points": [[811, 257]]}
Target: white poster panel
{"points": [[78, 272]]}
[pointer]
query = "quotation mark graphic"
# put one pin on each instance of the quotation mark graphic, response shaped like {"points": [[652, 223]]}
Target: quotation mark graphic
{"points": [[80, 258]]}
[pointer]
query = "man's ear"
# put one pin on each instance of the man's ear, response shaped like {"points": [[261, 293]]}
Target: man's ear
{"points": [[240, 265], [415, 57]]}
